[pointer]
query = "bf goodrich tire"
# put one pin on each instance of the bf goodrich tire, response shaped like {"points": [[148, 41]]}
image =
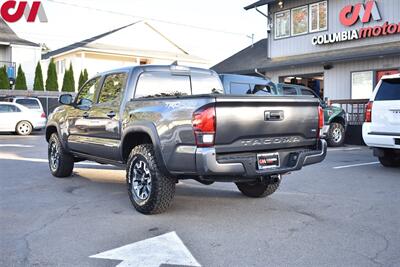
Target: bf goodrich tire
{"points": [[150, 190], [258, 189], [24, 128], [389, 161], [336, 136], [61, 163]]}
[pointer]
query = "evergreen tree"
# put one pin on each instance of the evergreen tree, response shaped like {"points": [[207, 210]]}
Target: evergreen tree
{"points": [[20, 83], [85, 75], [71, 78], [65, 84], [38, 85], [81, 80], [4, 82], [52, 80]]}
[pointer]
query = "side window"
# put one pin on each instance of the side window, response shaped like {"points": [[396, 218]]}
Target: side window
{"points": [[87, 93], [289, 90], [29, 103], [9, 109], [112, 88], [160, 84], [203, 84], [240, 89], [307, 92]]}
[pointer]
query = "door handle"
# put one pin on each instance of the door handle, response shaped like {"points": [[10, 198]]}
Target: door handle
{"points": [[86, 115], [111, 114]]}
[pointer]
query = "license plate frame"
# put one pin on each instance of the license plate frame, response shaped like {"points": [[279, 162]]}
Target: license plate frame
{"points": [[268, 161]]}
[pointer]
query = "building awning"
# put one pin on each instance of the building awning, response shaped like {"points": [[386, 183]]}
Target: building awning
{"points": [[259, 3], [246, 61]]}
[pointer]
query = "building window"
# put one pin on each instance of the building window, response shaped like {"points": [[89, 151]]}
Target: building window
{"points": [[319, 16], [282, 24], [299, 20], [60, 65], [362, 84]]}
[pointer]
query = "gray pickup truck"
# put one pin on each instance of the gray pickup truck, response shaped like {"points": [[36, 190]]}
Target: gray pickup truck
{"points": [[168, 123]]}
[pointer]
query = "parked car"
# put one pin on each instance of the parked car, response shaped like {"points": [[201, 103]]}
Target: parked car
{"points": [[247, 85], [381, 129], [19, 119], [167, 123], [31, 103], [335, 117]]}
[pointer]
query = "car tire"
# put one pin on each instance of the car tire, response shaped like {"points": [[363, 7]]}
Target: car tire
{"points": [[149, 189], [24, 128], [61, 163], [258, 189], [389, 161], [336, 135]]}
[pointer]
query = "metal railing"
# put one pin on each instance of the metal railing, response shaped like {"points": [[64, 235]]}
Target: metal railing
{"points": [[355, 108]]}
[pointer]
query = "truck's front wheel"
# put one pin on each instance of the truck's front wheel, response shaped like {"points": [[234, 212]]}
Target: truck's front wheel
{"points": [[61, 163], [258, 189], [150, 191]]}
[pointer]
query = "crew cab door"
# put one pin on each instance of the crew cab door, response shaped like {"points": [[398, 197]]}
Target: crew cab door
{"points": [[104, 119], [78, 114]]}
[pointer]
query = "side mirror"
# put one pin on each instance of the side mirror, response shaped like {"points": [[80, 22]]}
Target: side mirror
{"points": [[65, 99]]}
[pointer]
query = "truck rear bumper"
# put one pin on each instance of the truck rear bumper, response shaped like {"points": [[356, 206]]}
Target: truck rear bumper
{"points": [[209, 164]]}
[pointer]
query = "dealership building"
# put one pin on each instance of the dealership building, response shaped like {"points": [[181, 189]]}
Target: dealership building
{"points": [[339, 48]]}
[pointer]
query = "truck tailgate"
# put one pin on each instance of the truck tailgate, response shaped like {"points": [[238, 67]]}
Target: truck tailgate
{"points": [[265, 123]]}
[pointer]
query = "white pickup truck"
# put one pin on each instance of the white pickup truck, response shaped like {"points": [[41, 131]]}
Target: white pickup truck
{"points": [[381, 129]]}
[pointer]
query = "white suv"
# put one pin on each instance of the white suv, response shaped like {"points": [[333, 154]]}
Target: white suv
{"points": [[381, 129]]}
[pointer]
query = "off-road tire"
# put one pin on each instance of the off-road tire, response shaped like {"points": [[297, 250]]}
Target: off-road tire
{"points": [[162, 187], [258, 189], [24, 128], [65, 164], [389, 161], [332, 137]]}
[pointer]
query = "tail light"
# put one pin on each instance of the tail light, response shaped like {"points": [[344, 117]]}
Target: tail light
{"points": [[204, 125], [368, 112], [321, 120], [43, 115]]}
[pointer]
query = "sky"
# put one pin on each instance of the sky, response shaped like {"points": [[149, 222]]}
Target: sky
{"points": [[210, 29]]}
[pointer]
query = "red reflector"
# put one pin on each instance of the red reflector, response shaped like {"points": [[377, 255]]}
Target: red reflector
{"points": [[321, 120], [368, 112], [43, 115]]}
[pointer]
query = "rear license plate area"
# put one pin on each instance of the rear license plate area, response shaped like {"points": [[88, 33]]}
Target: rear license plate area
{"points": [[268, 161]]}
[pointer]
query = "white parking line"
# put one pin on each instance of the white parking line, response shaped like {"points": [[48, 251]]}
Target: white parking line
{"points": [[18, 158], [344, 149], [356, 165], [16, 145]]}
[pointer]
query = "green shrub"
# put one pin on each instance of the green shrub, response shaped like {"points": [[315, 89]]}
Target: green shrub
{"points": [[20, 83], [4, 82], [38, 85], [51, 81]]}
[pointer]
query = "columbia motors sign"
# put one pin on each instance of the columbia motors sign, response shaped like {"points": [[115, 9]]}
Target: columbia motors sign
{"points": [[13, 11], [350, 15]]}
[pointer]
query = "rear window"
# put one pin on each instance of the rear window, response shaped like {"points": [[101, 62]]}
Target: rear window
{"points": [[29, 103], [203, 84], [289, 91], [389, 90], [160, 84], [240, 88]]}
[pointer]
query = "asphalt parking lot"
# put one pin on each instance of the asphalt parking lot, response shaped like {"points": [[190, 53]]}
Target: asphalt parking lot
{"points": [[343, 212]]}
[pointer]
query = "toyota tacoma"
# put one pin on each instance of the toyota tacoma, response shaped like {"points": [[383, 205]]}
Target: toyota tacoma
{"points": [[168, 123]]}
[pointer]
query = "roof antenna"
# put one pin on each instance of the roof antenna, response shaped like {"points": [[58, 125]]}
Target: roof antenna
{"points": [[175, 63]]}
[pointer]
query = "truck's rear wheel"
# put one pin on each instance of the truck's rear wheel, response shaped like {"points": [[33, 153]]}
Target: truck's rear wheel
{"points": [[61, 163], [258, 189], [150, 191], [336, 134], [389, 161]]}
